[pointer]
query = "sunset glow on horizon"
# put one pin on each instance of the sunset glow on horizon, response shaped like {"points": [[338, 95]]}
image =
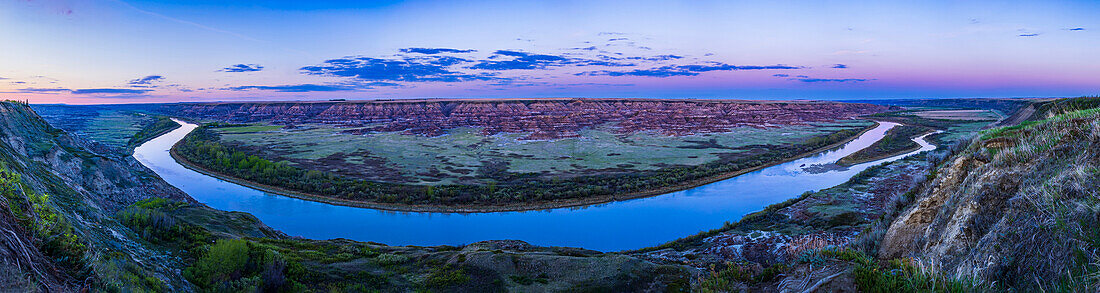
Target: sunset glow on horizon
{"points": [[153, 51]]}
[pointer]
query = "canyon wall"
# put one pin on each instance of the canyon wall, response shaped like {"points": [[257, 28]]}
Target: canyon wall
{"points": [[542, 119]]}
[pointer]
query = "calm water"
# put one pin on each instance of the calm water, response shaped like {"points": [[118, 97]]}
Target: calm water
{"points": [[607, 227]]}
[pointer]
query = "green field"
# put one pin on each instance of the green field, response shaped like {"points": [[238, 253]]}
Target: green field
{"points": [[464, 155]]}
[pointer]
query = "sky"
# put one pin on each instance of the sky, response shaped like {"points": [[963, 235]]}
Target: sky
{"points": [[151, 51]]}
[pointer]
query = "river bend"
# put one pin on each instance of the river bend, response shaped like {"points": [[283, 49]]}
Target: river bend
{"points": [[614, 226]]}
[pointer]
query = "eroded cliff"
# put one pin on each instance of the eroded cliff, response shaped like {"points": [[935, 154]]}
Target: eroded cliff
{"points": [[542, 119], [1017, 208]]}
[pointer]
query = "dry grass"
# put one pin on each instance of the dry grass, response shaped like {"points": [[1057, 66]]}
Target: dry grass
{"points": [[1057, 208]]}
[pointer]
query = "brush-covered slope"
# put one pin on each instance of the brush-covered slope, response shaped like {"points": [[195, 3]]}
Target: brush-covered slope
{"points": [[1018, 208], [56, 227]]}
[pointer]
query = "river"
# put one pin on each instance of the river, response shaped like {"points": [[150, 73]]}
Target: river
{"points": [[612, 226]]}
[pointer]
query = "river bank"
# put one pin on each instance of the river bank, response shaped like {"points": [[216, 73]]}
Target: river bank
{"points": [[613, 226]]}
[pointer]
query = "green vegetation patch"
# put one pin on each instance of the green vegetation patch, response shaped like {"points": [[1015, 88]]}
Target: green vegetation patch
{"points": [[730, 276], [234, 265], [150, 219]]}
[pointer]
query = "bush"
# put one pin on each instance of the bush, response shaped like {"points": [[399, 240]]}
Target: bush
{"points": [[150, 220], [234, 265], [224, 261], [446, 276]]}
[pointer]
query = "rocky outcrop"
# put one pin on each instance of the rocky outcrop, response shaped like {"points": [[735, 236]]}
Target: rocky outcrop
{"points": [[542, 119]]}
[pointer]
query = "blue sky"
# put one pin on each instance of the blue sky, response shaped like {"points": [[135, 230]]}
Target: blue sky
{"points": [[165, 51]]}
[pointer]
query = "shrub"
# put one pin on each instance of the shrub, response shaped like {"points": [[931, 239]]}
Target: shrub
{"points": [[446, 276], [391, 259], [224, 261], [150, 220], [234, 265]]}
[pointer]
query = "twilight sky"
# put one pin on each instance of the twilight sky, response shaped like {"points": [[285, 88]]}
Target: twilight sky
{"points": [[128, 51]]}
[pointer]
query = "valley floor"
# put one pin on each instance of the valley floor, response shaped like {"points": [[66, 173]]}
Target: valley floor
{"points": [[518, 206], [968, 217]]}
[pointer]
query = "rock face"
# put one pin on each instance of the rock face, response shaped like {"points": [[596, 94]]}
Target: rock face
{"points": [[542, 119], [1017, 208]]}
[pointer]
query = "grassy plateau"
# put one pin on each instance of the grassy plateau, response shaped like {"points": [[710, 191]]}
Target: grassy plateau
{"points": [[466, 171]]}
